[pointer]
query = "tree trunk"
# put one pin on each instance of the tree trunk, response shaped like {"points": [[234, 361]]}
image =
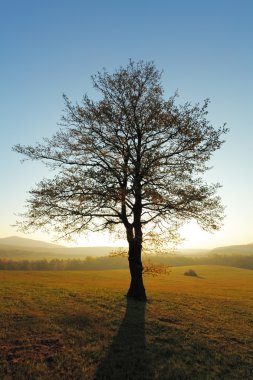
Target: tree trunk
{"points": [[136, 289]]}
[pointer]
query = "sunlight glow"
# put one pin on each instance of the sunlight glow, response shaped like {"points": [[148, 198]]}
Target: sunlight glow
{"points": [[193, 236], [98, 240]]}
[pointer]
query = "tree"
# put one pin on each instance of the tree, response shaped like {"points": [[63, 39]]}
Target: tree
{"points": [[131, 159]]}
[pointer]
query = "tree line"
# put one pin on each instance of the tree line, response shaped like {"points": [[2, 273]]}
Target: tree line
{"points": [[109, 263]]}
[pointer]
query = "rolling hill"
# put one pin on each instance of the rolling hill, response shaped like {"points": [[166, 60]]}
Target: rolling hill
{"points": [[245, 249], [14, 247], [27, 243]]}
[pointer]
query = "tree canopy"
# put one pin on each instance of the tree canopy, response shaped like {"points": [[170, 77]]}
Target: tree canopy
{"points": [[131, 159]]}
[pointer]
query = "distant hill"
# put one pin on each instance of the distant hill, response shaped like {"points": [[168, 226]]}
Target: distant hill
{"points": [[244, 249], [23, 242], [17, 248], [193, 252]]}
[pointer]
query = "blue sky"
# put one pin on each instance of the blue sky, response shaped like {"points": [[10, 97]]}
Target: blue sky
{"points": [[204, 48]]}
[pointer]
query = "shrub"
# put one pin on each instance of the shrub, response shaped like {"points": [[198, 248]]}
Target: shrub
{"points": [[191, 272]]}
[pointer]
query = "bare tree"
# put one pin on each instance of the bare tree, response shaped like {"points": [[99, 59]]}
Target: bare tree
{"points": [[130, 159]]}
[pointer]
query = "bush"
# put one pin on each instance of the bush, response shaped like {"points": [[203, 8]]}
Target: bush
{"points": [[191, 272]]}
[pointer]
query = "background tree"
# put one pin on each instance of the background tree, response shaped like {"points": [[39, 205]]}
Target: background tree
{"points": [[130, 159]]}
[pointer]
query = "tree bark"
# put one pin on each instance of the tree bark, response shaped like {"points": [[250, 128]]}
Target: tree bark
{"points": [[136, 289]]}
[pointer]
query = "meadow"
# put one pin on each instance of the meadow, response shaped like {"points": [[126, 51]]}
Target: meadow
{"points": [[78, 325]]}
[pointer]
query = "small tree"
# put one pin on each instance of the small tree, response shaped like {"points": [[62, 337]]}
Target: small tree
{"points": [[130, 159]]}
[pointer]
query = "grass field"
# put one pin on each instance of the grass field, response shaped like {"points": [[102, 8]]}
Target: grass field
{"points": [[78, 325]]}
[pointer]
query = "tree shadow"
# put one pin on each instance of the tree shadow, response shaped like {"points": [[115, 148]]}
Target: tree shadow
{"points": [[127, 356]]}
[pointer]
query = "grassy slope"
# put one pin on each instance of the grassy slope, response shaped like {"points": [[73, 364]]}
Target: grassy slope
{"points": [[77, 325]]}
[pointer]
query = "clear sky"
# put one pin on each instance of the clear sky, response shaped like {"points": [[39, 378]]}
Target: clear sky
{"points": [[53, 46]]}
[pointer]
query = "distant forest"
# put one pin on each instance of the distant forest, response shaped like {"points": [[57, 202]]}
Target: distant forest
{"points": [[110, 263]]}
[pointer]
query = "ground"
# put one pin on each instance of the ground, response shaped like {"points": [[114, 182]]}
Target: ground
{"points": [[79, 325]]}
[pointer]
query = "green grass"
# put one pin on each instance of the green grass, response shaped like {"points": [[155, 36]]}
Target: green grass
{"points": [[78, 325]]}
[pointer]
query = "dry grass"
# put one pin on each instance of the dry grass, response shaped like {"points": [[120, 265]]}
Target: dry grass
{"points": [[78, 325]]}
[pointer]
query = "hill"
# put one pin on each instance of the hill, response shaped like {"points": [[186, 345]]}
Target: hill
{"points": [[17, 241], [17, 248], [245, 249]]}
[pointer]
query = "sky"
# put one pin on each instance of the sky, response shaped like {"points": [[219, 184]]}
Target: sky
{"points": [[52, 47]]}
